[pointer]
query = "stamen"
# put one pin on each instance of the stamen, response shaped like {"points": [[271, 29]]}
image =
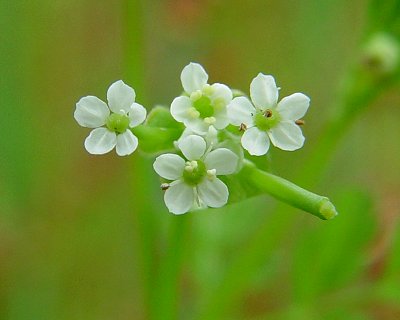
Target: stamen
{"points": [[164, 186], [209, 120], [193, 113], [219, 104], [196, 95], [208, 90], [194, 164], [188, 168], [268, 113], [300, 122], [242, 127], [211, 174]]}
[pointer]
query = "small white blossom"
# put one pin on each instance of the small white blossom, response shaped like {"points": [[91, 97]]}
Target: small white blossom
{"points": [[204, 105], [111, 122], [194, 178], [265, 119]]}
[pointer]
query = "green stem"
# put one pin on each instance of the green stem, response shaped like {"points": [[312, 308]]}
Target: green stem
{"points": [[166, 297], [290, 193], [145, 227]]}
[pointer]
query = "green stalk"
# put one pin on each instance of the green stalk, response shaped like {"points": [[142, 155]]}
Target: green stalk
{"points": [[290, 193], [160, 282], [145, 231]]}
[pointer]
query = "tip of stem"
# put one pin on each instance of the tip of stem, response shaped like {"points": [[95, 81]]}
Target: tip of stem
{"points": [[327, 210]]}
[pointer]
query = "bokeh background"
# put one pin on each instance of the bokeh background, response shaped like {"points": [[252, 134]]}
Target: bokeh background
{"points": [[88, 237]]}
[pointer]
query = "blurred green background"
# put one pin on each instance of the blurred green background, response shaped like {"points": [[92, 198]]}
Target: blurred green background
{"points": [[88, 237]]}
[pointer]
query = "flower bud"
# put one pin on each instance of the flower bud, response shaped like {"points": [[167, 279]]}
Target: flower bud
{"points": [[381, 54]]}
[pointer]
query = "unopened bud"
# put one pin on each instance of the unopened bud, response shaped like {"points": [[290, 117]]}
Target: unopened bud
{"points": [[382, 54]]}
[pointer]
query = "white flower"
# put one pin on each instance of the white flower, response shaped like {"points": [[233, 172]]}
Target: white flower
{"points": [[194, 179], [265, 119], [111, 128], [205, 104]]}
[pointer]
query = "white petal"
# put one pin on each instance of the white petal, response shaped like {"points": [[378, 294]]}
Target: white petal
{"points": [[294, 106], [193, 77], [100, 141], [286, 136], [197, 125], [221, 92], [256, 142], [221, 119], [240, 110], [179, 197], [193, 147], [223, 160], [126, 143], [180, 107], [213, 193], [263, 91], [169, 166], [120, 96], [91, 112], [137, 114]]}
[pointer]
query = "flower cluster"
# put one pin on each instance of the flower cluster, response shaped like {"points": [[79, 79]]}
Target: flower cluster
{"points": [[213, 121]]}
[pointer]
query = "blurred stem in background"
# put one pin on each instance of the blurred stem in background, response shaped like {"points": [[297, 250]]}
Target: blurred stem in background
{"points": [[160, 270], [364, 83], [134, 66]]}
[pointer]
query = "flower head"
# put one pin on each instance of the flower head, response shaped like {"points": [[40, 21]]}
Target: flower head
{"points": [[265, 119], [203, 105], [194, 177], [111, 122]]}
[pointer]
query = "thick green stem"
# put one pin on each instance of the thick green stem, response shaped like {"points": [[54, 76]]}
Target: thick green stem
{"points": [[290, 193]]}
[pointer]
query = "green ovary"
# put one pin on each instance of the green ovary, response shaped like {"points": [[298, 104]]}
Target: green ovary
{"points": [[204, 107], [117, 122], [197, 175], [265, 120]]}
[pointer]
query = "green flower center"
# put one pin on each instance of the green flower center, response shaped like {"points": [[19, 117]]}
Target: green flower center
{"points": [[194, 172], [117, 122], [204, 107], [265, 120]]}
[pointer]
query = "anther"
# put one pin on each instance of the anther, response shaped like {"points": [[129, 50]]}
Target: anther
{"points": [[211, 174], [188, 168], [196, 95], [164, 186], [299, 122], [207, 89], [242, 127], [194, 164], [193, 113], [209, 120], [268, 113]]}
